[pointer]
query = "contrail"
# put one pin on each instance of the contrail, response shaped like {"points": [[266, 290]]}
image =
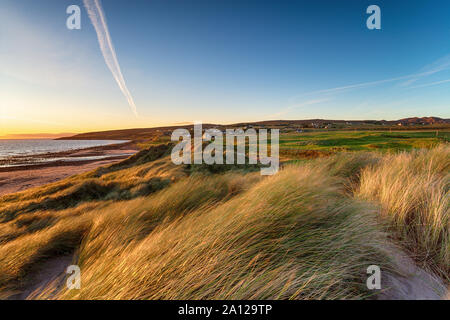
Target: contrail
{"points": [[98, 20]]}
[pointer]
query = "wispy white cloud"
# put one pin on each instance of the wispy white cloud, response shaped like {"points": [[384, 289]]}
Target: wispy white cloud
{"points": [[430, 84], [297, 106], [439, 65], [323, 95], [351, 87], [358, 86], [98, 20]]}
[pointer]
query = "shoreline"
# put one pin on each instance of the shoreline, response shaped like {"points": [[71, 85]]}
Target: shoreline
{"points": [[23, 177], [83, 152]]}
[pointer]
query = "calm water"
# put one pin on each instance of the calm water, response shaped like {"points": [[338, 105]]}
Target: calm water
{"points": [[15, 152]]}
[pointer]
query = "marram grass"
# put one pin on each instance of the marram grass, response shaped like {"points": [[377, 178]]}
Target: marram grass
{"points": [[147, 229]]}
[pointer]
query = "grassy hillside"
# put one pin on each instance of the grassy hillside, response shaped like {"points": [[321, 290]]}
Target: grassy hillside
{"points": [[147, 229], [427, 124]]}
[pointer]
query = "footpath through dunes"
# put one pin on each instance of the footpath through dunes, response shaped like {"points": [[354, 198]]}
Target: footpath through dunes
{"points": [[410, 282], [147, 229], [412, 190]]}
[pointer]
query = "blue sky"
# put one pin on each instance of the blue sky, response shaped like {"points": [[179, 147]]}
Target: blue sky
{"points": [[222, 62]]}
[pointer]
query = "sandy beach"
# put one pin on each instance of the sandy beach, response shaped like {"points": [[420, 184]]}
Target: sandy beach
{"points": [[15, 179]]}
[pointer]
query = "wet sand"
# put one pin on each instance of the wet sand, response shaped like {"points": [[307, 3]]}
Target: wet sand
{"points": [[14, 179]]}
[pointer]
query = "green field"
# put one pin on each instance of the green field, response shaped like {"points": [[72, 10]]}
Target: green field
{"points": [[332, 141], [313, 144]]}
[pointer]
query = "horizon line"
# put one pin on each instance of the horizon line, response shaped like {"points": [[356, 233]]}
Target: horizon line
{"points": [[43, 135]]}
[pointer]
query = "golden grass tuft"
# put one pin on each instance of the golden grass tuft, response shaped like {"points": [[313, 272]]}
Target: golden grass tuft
{"points": [[413, 190]]}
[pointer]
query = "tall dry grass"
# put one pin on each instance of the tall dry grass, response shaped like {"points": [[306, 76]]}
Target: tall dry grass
{"points": [[292, 236], [413, 190], [193, 234]]}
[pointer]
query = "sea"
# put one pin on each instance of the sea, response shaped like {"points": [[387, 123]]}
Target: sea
{"points": [[27, 151]]}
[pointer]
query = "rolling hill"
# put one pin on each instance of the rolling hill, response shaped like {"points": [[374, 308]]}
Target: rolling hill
{"points": [[140, 134]]}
